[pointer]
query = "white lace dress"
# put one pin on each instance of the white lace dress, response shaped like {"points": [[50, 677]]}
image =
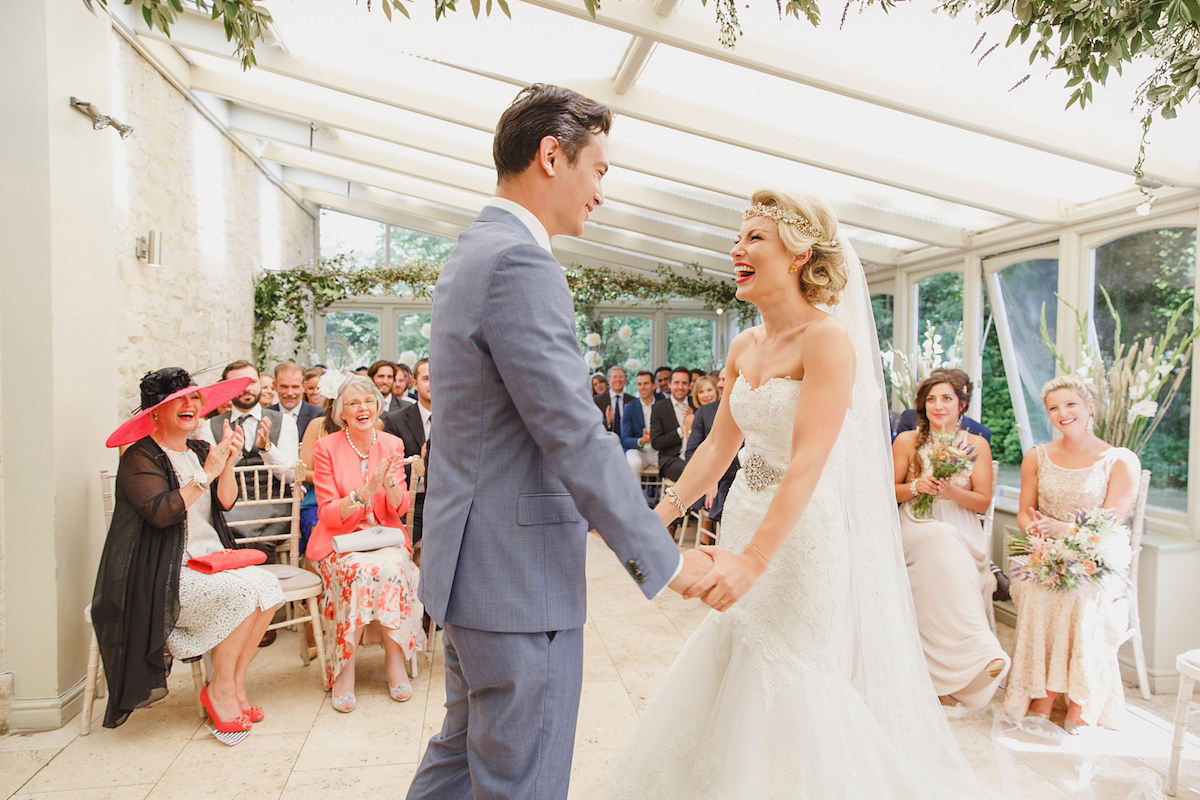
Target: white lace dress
{"points": [[211, 606], [758, 704]]}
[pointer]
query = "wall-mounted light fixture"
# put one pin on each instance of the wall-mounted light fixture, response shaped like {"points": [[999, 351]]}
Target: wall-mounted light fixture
{"points": [[101, 121], [149, 249]]}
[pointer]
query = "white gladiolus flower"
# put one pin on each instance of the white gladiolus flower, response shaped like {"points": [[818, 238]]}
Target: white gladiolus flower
{"points": [[633, 364], [1163, 370], [592, 340], [408, 357], [1144, 408], [426, 329], [592, 358], [624, 332]]}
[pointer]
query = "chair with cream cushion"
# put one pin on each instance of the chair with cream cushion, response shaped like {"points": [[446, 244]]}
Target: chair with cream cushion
{"points": [[301, 588]]}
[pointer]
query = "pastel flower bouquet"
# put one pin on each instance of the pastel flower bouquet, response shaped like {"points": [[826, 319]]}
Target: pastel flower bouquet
{"points": [[947, 460], [1096, 547]]}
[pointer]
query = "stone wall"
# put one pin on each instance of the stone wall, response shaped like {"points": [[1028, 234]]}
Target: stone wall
{"points": [[221, 220]]}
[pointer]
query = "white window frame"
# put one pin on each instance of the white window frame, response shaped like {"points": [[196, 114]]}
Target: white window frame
{"points": [[1174, 523]]}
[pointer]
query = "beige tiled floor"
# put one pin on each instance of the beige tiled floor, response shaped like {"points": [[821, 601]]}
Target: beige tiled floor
{"points": [[304, 749]]}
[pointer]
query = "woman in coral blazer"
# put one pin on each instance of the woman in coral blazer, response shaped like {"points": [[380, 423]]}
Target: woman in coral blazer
{"points": [[359, 476]]}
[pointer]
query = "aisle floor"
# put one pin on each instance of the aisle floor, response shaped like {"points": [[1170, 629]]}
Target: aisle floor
{"points": [[305, 749]]}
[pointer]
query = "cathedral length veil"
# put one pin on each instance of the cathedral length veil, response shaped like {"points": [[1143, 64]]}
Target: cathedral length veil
{"points": [[883, 654]]}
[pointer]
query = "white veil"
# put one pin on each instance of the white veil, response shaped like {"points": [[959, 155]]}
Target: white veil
{"points": [[884, 654]]}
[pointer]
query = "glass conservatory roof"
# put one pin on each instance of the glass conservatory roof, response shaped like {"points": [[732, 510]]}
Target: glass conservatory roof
{"points": [[919, 133]]}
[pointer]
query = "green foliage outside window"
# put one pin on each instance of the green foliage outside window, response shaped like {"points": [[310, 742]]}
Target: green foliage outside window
{"points": [[690, 343]]}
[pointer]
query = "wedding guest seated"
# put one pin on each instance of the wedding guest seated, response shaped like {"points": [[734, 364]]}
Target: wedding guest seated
{"points": [[612, 401], [293, 405], [945, 549], [1067, 639], [907, 421], [599, 384], [268, 391], [359, 475], [670, 420], [170, 500], [403, 387], [268, 441], [383, 373], [635, 427], [708, 400], [718, 378], [662, 383], [311, 376]]}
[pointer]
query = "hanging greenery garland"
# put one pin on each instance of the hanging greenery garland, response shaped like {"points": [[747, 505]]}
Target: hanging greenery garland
{"points": [[294, 297]]}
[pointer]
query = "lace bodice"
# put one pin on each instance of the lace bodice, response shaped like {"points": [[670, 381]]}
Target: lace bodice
{"points": [[1062, 492], [962, 440]]}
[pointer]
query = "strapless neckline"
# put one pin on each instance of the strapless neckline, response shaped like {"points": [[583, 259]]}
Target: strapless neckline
{"points": [[742, 377]]}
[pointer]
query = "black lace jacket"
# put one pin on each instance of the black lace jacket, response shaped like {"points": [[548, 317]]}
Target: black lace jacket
{"points": [[136, 600]]}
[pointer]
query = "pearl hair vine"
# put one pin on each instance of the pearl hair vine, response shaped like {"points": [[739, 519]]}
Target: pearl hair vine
{"points": [[806, 228]]}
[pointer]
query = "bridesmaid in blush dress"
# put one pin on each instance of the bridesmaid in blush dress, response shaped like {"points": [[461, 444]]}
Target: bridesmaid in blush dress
{"points": [[946, 554], [1067, 640]]}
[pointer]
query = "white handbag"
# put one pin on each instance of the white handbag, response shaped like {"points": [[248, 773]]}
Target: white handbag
{"points": [[372, 538]]}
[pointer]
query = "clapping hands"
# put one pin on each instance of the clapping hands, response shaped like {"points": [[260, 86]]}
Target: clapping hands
{"points": [[224, 454], [1041, 525]]}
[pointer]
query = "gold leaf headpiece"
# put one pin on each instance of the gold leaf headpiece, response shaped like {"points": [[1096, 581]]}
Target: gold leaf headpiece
{"points": [[806, 228]]}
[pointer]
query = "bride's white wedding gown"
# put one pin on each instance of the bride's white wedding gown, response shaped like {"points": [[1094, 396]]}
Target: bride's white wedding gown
{"points": [[759, 704]]}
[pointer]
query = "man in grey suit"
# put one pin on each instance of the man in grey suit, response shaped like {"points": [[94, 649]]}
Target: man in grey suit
{"points": [[524, 468]]}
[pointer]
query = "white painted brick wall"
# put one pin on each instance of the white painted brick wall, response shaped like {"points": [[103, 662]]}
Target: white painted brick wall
{"points": [[221, 222]]}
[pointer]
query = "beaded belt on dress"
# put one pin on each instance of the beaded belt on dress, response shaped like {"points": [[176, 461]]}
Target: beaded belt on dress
{"points": [[760, 474]]}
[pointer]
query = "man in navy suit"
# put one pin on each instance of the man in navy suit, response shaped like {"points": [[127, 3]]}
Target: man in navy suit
{"points": [[524, 467], [289, 389], [662, 383], [613, 402], [635, 427]]}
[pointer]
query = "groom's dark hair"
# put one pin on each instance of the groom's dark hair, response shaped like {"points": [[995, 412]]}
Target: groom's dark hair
{"points": [[545, 110]]}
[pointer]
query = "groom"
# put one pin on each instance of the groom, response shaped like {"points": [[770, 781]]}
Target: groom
{"points": [[524, 469]]}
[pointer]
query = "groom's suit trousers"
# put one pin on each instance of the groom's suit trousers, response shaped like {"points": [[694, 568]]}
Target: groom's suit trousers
{"points": [[527, 686]]}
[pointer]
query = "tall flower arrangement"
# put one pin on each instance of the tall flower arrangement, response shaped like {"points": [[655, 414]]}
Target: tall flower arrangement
{"points": [[906, 372], [1135, 386], [595, 355]]}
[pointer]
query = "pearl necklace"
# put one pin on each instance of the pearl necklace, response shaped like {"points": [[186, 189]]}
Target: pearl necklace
{"points": [[357, 452]]}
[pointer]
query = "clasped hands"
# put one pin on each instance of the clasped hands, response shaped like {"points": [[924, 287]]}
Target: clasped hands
{"points": [[717, 576], [1041, 525]]}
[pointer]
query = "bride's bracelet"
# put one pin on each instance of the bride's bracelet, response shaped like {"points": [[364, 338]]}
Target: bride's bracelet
{"points": [[673, 496]]}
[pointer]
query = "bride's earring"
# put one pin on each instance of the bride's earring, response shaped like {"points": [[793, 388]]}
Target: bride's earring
{"points": [[1091, 426], [794, 269]]}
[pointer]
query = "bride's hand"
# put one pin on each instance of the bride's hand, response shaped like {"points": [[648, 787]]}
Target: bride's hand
{"points": [[731, 577]]}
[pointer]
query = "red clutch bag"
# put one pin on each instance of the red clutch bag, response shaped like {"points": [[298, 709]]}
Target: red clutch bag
{"points": [[227, 559]]}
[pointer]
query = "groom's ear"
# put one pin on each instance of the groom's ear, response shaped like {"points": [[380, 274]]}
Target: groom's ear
{"points": [[548, 155]]}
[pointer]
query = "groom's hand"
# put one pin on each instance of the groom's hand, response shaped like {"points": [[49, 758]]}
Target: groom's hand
{"points": [[731, 576], [696, 565]]}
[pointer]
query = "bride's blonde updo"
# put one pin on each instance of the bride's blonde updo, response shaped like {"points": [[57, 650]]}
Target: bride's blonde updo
{"points": [[806, 222], [1086, 392]]}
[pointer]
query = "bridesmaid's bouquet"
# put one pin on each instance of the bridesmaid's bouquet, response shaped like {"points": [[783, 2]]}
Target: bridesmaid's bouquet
{"points": [[948, 459], [1096, 547]]}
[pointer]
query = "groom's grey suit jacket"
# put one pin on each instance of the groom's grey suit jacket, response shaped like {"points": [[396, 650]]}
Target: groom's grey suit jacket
{"points": [[524, 466]]}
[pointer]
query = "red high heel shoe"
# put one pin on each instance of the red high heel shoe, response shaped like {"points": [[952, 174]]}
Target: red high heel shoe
{"points": [[229, 733]]}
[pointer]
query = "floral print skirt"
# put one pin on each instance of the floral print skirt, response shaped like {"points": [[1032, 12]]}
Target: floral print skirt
{"points": [[360, 588]]}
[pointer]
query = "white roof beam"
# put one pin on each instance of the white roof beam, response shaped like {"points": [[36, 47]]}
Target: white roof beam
{"points": [[761, 54], [207, 38], [324, 174], [352, 154], [704, 177]]}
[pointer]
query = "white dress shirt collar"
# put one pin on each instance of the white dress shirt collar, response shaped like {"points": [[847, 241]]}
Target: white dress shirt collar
{"points": [[236, 413], [527, 219]]}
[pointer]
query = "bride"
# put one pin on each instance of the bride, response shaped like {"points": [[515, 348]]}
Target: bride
{"points": [[812, 683]]}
